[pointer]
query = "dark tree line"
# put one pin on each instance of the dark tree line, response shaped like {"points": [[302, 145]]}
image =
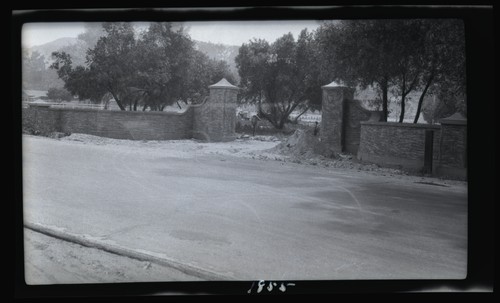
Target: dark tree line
{"points": [[397, 57], [161, 67]]}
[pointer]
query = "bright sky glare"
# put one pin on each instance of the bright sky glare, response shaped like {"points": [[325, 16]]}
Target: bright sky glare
{"points": [[225, 32]]}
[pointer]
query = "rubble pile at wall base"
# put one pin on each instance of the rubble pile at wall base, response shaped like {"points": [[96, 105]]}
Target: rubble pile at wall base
{"points": [[304, 148]]}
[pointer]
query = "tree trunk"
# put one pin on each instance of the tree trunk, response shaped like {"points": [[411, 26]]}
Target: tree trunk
{"points": [[296, 120], [403, 96], [421, 99], [385, 87], [118, 102], [135, 104]]}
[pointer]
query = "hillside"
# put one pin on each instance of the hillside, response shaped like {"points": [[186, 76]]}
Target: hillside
{"points": [[47, 48], [77, 48]]}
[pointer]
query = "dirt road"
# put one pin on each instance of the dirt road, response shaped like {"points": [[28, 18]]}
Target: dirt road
{"points": [[243, 218], [54, 261]]}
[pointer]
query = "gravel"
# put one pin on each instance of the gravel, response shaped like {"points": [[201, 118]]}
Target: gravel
{"points": [[300, 148]]}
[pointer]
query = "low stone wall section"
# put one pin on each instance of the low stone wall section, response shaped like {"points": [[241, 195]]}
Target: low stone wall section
{"points": [[110, 124], [399, 145]]}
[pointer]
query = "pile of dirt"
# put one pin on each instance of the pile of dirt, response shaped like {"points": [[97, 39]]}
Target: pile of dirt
{"points": [[301, 144], [304, 148]]}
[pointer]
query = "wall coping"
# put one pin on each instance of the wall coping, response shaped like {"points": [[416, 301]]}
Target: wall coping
{"points": [[223, 83], [96, 110], [334, 84], [404, 125]]}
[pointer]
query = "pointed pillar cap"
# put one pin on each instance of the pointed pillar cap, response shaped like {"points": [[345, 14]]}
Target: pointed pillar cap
{"points": [[334, 84], [223, 83]]}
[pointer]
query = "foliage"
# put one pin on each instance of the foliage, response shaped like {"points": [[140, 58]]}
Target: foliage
{"points": [[361, 52], [397, 56], [59, 94], [154, 70], [221, 53], [279, 77], [445, 69]]}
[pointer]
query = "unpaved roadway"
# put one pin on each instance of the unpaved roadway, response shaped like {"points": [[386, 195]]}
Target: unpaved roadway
{"points": [[238, 218]]}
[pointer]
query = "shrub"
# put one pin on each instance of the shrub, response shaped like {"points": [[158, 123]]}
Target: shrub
{"points": [[59, 94]]}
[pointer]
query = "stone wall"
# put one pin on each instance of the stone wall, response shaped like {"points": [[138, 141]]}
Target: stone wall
{"points": [[354, 114], [113, 124], [397, 144], [213, 120], [39, 120], [453, 147]]}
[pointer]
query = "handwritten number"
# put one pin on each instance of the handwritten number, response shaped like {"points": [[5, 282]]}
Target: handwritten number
{"points": [[261, 285], [282, 287], [250, 290], [269, 287]]}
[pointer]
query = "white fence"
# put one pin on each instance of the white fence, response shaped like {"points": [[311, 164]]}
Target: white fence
{"points": [[64, 105]]}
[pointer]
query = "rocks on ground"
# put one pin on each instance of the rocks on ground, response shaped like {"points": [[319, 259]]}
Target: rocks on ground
{"points": [[303, 147]]}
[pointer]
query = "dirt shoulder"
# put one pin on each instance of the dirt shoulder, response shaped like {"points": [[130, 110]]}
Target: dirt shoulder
{"points": [[299, 148], [52, 261]]}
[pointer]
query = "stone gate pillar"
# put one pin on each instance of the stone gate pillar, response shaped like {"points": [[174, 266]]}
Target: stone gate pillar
{"points": [[335, 97], [215, 120]]}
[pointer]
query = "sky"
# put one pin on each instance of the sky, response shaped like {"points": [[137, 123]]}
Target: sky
{"points": [[225, 32]]}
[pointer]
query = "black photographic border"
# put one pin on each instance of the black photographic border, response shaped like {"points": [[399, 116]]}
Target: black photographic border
{"points": [[481, 141]]}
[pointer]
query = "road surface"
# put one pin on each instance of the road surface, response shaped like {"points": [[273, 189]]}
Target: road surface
{"points": [[245, 219]]}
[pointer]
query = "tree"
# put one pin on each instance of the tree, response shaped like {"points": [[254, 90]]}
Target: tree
{"points": [[204, 72], [59, 94], [398, 56], [158, 68], [110, 66], [359, 52], [278, 77], [93, 32], [443, 61], [409, 35], [164, 55]]}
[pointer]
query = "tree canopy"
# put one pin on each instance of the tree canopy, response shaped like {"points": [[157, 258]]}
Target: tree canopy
{"points": [[156, 69], [280, 77], [397, 56]]}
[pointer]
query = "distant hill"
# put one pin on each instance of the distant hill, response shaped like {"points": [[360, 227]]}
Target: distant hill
{"points": [[47, 48], [77, 49]]}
